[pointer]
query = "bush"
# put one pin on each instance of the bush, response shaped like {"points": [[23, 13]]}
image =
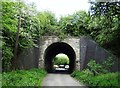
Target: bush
{"points": [[7, 54], [98, 74], [0, 80], [61, 60], [103, 80], [83, 76], [94, 67], [109, 79], [31, 77], [97, 68]]}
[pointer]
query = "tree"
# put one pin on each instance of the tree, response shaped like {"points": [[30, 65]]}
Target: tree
{"points": [[10, 15], [47, 22], [108, 15], [17, 39], [9, 23], [61, 60], [76, 24]]}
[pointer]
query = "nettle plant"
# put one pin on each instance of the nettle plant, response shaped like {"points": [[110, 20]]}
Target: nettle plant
{"points": [[98, 68]]}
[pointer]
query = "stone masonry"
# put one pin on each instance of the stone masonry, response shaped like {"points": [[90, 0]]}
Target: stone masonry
{"points": [[83, 48], [48, 40]]}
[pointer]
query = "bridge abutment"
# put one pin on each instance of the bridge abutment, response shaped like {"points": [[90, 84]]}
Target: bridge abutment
{"points": [[79, 50], [49, 40]]}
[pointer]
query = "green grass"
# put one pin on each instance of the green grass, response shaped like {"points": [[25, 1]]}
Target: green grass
{"points": [[0, 80], [33, 77], [102, 80]]}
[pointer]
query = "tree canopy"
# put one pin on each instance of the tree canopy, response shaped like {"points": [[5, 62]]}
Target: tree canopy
{"points": [[102, 23], [61, 59]]}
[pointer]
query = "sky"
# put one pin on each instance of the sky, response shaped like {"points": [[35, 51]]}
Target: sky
{"points": [[61, 7]]}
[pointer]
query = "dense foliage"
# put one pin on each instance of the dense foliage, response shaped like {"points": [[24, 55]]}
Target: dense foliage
{"points": [[103, 67], [110, 80], [61, 60], [98, 75], [33, 77], [9, 29], [106, 16], [0, 80], [102, 23]]}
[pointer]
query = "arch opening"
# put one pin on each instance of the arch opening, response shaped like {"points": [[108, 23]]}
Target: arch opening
{"points": [[61, 63], [55, 49]]}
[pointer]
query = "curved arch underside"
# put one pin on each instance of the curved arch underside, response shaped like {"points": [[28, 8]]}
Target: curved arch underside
{"points": [[56, 48]]}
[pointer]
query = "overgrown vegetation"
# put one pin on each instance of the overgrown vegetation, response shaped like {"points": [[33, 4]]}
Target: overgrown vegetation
{"points": [[102, 22], [110, 80], [61, 60], [98, 75], [33, 77], [0, 80], [98, 68]]}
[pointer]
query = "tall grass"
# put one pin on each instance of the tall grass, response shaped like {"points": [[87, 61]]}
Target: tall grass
{"points": [[98, 75], [110, 80], [33, 77]]}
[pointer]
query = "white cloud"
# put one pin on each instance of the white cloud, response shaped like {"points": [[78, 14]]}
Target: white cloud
{"points": [[61, 7]]}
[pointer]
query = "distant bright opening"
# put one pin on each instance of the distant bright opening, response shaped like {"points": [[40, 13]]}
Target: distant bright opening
{"points": [[61, 62]]}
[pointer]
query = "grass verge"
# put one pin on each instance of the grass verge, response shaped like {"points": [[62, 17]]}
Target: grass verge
{"points": [[110, 80], [33, 77]]}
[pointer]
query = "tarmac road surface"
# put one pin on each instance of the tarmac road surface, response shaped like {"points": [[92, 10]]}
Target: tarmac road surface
{"points": [[64, 80]]}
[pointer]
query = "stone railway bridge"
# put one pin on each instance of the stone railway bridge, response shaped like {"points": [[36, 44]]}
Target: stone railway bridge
{"points": [[52, 45], [79, 50]]}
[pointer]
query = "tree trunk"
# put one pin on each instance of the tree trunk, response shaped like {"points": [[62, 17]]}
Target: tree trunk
{"points": [[17, 41]]}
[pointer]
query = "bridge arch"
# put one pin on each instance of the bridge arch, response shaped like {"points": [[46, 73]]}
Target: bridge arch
{"points": [[56, 48]]}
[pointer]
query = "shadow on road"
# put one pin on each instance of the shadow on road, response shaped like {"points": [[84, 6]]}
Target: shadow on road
{"points": [[60, 72]]}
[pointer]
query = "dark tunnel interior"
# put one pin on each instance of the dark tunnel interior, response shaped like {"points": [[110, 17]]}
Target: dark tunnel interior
{"points": [[53, 50]]}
